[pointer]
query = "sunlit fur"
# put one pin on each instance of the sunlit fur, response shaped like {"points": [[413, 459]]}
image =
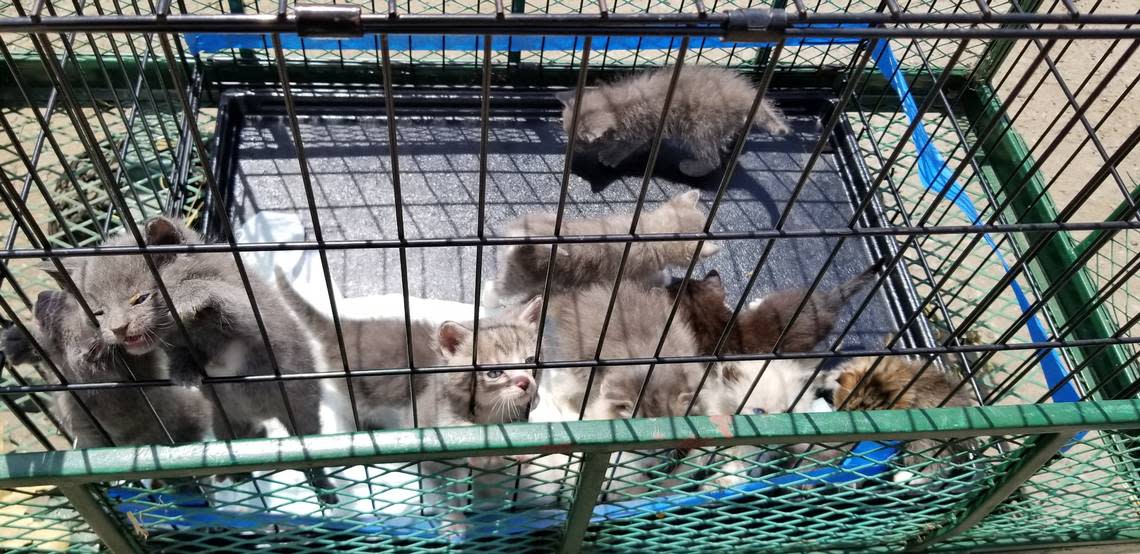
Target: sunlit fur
{"points": [[708, 109], [450, 398], [222, 336], [760, 324], [887, 384], [76, 349], [523, 268]]}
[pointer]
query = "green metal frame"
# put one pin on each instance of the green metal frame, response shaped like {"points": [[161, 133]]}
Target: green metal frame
{"points": [[75, 471]]}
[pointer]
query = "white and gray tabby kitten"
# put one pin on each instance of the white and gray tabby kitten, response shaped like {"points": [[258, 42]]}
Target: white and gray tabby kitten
{"points": [[523, 268], [74, 346], [442, 399], [709, 108], [573, 329], [457, 398], [211, 301]]}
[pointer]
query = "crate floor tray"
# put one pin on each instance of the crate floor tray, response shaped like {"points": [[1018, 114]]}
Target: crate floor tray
{"points": [[347, 148]]}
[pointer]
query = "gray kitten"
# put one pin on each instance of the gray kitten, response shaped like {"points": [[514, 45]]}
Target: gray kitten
{"points": [[65, 334], [211, 300], [709, 108], [573, 328], [523, 268]]}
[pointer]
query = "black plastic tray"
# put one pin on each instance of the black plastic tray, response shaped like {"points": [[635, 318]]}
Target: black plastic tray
{"points": [[346, 144]]}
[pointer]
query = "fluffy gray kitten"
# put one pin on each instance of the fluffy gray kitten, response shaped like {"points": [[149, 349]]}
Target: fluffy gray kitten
{"points": [[65, 334], [211, 301], [573, 328], [523, 268], [709, 108]]}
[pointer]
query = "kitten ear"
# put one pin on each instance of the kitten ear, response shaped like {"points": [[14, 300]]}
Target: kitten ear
{"points": [[49, 304], [566, 97], [531, 311], [451, 336], [688, 199], [70, 266], [683, 401], [164, 231]]}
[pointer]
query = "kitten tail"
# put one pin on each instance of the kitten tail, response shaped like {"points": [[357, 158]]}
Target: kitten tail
{"points": [[844, 292]]}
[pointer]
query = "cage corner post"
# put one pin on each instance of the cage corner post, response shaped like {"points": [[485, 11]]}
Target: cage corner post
{"points": [[86, 501], [592, 475]]}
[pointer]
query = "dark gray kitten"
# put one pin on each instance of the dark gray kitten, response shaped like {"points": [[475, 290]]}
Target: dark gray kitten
{"points": [[69, 340], [709, 108], [211, 300], [523, 268]]}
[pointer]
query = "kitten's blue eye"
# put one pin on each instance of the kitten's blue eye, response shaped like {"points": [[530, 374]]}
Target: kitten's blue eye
{"points": [[139, 298], [494, 373], [530, 359], [758, 411]]}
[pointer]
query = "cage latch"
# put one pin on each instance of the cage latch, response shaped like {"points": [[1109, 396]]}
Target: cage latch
{"points": [[329, 20], [755, 25]]}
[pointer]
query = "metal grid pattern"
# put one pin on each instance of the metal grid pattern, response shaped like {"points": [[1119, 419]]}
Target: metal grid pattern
{"points": [[121, 141]]}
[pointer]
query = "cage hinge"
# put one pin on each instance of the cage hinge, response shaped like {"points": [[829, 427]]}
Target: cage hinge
{"points": [[755, 25], [333, 21]]}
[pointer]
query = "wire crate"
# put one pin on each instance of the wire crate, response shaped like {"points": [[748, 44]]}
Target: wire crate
{"points": [[982, 153]]}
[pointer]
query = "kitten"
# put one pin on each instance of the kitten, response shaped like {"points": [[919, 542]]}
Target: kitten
{"points": [[780, 382], [212, 302], [573, 329], [523, 268], [442, 399], [66, 336], [708, 110], [883, 385], [457, 398], [759, 325]]}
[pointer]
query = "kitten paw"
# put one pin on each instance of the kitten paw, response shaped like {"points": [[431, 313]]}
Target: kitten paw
{"points": [[696, 168], [777, 128], [188, 379]]}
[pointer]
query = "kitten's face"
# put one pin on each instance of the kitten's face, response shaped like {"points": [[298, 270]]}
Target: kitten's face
{"points": [[122, 292], [594, 119], [503, 396], [509, 338], [130, 310]]}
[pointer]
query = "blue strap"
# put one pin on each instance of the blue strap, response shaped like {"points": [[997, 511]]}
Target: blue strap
{"points": [[218, 42]]}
